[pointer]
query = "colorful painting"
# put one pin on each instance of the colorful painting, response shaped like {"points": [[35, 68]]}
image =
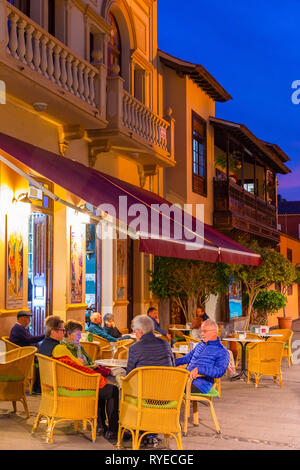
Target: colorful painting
{"points": [[14, 280], [77, 248], [235, 299], [121, 269]]}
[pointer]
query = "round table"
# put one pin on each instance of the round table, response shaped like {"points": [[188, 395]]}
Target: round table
{"points": [[243, 343]]}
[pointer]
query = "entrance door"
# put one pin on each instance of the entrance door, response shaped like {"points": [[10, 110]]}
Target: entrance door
{"points": [[130, 282], [39, 270]]}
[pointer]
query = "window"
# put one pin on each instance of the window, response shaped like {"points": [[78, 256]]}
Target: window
{"points": [[289, 254], [290, 289], [114, 45], [199, 155]]}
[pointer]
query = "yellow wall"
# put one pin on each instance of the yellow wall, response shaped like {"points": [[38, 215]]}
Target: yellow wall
{"points": [[292, 309]]}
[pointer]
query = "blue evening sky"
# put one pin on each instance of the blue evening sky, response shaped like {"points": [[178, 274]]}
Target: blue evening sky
{"points": [[252, 47]]}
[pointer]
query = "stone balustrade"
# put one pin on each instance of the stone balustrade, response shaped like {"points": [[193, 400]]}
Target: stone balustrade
{"points": [[34, 47], [140, 119]]}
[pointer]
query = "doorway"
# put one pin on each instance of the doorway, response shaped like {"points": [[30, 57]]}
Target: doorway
{"points": [[39, 269], [92, 270]]}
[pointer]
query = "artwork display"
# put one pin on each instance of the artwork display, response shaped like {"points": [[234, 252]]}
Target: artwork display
{"points": [[121, 269], [77, 249], [15, 260], [235, 299]]}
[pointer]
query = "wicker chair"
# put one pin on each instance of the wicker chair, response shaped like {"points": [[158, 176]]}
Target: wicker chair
{"points": [[102, 343], [123, 345], [67, 395], [150, 403], [31, 375], [14, 368], [265, 359], [198, 397], [287, 339], [92, 349]]}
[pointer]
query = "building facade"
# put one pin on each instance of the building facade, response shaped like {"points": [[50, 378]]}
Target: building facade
{"points": [[81, 81]]}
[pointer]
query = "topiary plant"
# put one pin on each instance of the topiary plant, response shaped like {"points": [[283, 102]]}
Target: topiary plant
{"points": [[267, 302]]}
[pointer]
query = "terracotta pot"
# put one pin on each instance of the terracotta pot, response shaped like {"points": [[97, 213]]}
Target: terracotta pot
{"points": [[285, 323]]}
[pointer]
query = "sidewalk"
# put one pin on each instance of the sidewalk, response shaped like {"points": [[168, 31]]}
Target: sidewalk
{"points": [[263, 418]]}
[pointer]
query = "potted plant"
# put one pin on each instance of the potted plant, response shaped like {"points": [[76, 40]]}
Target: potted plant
{"points": [[267, 302]]}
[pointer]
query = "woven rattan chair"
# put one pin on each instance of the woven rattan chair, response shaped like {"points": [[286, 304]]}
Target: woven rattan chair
{"points": [[31, 374], [265, 359], [68, 394], [287, 339], [14, 369], [103, 344], [200, 397], [123, 345], [165, 338], [150, 403], [92, 349]]}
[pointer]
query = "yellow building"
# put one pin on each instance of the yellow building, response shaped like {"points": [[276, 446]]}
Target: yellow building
{"points": [[82, 81]]}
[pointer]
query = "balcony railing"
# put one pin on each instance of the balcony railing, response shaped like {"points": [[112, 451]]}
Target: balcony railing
{"points": [[235, 208], [34, 47], [141, 120]]}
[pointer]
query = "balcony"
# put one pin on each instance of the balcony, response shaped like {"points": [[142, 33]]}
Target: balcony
{"points": [[236, 210], [134, 130], [37, 67]]}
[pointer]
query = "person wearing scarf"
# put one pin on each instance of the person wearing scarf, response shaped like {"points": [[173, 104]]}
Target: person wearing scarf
{"points": [[70, 352]]}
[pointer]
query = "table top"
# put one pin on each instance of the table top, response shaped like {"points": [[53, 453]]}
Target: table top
{"points": [[249, 340], [111, 363], [268, 334], [180, 329]]}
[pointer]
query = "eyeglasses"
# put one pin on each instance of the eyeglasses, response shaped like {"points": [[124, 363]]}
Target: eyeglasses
{"points": [[60, 329]]}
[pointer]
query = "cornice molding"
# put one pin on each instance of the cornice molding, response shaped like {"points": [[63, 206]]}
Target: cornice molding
{"points": [[138, 58], [92, 15]]}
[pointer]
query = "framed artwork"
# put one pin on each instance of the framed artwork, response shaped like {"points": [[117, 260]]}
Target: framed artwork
{"points": [[76, 255], [14, 264], [121, 269]]}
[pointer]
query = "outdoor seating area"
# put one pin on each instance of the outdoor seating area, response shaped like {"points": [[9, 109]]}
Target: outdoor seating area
{"points": [[153, 400]]}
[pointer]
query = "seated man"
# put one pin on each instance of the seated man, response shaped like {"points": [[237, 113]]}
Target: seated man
{"points": [[54, 334], [148, 351], [19, 333], [96, 328], [153, 314], [209, 358]]}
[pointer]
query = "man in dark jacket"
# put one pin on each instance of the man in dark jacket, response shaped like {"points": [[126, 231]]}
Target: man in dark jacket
{"points": [[19, 333], [54, 334], [148, 351]]}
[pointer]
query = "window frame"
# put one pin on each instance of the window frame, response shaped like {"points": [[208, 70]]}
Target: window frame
{"points": [[199, 183]]}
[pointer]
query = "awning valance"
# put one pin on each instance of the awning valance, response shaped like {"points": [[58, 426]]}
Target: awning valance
{"points": [[163, 233]]}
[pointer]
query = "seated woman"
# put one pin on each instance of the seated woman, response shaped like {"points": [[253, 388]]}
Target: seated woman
{"points": [[70, 352], [111, 329]]}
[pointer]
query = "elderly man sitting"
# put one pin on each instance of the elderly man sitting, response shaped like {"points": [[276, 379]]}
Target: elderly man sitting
{"points": [[209, 359], [96, 328]]}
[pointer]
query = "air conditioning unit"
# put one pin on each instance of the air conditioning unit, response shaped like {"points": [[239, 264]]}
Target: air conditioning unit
{"points": [[35, 193]]}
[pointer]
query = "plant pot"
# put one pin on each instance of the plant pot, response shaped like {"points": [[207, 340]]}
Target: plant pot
{"points": [[285, 323]]}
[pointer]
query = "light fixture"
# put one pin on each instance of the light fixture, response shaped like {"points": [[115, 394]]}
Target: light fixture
{"points": [[40, 107], [23, 197]]}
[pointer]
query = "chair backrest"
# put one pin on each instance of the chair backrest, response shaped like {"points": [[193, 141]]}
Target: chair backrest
{"points": [[9, 345], [162, 336], [156, 384], [54, 374], [252, 336], [286, 335], [17, 361], [266, 351], [103, 342], [92, 349]]}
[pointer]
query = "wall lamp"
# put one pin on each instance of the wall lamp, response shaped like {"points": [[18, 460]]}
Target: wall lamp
{"points": [[23, 197]]}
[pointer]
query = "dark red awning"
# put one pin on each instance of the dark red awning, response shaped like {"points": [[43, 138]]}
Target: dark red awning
{"points": [[100, 189]]}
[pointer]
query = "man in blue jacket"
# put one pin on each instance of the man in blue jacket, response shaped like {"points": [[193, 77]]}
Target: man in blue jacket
{"points": [[153, 314], [209, 358]]}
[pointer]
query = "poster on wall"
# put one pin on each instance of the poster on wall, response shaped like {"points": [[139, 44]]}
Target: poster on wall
{"points": [[76, 253], [14, 266], [235, 298]]}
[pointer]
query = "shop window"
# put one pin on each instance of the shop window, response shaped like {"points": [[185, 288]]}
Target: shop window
{"points": [[114, 46], [199, 155]]}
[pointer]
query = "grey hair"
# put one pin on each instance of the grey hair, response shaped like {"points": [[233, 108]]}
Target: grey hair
{"points": [[142, 322], [211, 323], [107, 317]]}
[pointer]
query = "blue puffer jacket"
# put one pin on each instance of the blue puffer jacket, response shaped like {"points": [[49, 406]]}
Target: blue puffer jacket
{"points": [[212, 360]]}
